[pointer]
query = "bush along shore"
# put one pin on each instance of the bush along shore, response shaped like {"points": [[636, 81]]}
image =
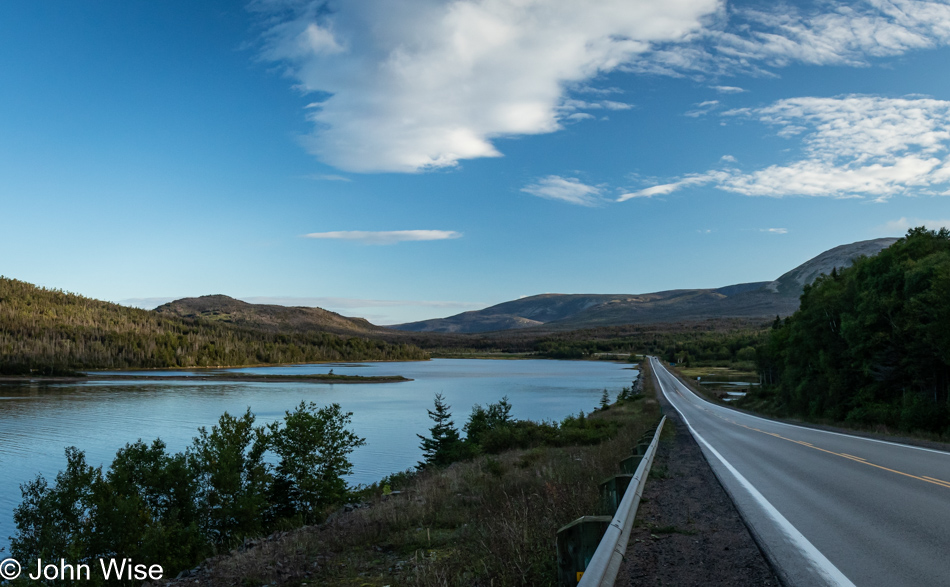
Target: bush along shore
{"points": [[174, 510], [482, 510], [478, 510]]}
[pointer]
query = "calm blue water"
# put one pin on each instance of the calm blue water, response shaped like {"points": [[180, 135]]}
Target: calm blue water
{"points": [[38, 421]]}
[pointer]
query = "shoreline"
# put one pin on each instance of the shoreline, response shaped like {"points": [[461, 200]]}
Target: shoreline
{"points": [[224, 377]]}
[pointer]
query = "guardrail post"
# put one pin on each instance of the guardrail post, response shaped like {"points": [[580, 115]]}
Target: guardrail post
{"points": [[629, 465], [642, 449], [611, 492], [576, 544]]}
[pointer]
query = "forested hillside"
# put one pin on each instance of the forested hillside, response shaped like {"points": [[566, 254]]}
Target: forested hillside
{"points": [[870, 344], [50, 331]]}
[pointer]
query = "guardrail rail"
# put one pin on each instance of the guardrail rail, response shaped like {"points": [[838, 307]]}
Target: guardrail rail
{"points": [[602, 567]]}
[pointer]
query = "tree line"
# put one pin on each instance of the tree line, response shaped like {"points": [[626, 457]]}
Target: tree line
{"points": [[870, 344], [49, 331]]}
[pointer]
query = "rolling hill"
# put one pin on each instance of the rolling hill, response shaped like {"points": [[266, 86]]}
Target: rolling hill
{"points": [[271, 318], [764, 299]]}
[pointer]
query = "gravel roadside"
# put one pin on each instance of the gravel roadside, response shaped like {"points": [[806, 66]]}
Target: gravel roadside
{"points": [[687, 530]]}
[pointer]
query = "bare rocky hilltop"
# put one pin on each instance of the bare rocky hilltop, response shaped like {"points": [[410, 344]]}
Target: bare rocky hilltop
{"points": [[764, 299]]}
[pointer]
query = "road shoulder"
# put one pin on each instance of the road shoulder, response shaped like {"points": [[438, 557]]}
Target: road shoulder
{"points": [[687, 530]]}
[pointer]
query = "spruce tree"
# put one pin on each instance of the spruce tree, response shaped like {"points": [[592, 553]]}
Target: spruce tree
{"points": [[443, 446], [605, 400]]}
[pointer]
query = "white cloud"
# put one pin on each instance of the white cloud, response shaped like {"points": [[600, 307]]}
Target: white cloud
{"points": [[852, 147], [411, 86], [774, 230], [900, 226], [611, 105], [421, 85], [729, 89], [565, 189], [386, 237]]}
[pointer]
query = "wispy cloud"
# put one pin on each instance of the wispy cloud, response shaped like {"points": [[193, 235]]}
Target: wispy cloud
{"points": [[411, 86], [900, 226], [729, 89], [668, 188], [854, 146], [386, 237], [851, 147], [565, 189], [842, 33], [774, 230], [703, 108]]}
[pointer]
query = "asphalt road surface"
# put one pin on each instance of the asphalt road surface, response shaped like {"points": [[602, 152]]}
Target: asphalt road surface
{"points": [[827, 508]]}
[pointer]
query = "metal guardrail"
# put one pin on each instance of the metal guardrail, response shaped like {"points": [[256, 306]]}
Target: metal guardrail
{"points": [[605, 564]]}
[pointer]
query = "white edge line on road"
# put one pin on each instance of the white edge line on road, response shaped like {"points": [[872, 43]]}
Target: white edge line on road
{"points": [[825, 568], [730, 410]]}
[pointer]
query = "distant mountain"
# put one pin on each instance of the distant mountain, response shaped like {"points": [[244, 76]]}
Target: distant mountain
{"points": [[572, 311], [266, 317]]}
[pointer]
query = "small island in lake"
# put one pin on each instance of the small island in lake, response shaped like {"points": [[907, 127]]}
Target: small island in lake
{"points": [[224, 377]]}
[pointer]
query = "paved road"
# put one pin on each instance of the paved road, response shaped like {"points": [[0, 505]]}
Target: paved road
{"points": [[827, 508]]}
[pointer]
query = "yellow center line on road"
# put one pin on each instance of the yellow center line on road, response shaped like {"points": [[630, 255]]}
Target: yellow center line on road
{"points": [[860, 460], [944, 483]]}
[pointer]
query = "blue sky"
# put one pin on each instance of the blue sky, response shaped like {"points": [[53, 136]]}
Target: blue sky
{"points": [[402, 160]]}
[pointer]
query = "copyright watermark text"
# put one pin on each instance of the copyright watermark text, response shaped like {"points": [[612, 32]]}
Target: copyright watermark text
{"points": [[108, 568]]}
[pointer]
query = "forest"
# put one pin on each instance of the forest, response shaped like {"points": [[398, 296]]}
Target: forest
{"points": [[870, 344], [49, 332]]}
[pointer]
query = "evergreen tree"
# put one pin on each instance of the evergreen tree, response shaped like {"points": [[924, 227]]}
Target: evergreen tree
{"points": [[443, 446], [314, 447]]}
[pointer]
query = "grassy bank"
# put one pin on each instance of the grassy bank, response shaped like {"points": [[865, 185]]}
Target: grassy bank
{"points": [[487, 521]]}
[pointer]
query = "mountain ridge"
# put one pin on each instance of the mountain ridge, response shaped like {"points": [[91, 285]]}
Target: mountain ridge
{"points": [[764, 299]]}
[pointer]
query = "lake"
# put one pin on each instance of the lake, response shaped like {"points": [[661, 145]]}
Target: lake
{"points": [[37, 421]]}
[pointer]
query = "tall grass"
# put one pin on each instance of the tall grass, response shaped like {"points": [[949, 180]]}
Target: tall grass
{"points": [[490, 521]]}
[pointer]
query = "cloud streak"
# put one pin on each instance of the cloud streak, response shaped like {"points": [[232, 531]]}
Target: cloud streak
{"points": [[385, 237], [564, 189]]}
